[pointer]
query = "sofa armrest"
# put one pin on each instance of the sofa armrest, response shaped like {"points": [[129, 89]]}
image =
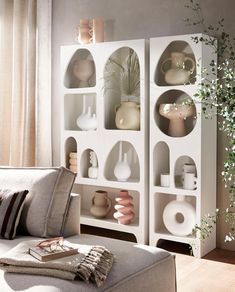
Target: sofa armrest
{"points": [[72, 221]]}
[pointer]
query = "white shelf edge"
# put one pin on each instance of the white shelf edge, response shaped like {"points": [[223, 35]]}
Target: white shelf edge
{"points": [[175, 191], [85, 90], [167, 236]]}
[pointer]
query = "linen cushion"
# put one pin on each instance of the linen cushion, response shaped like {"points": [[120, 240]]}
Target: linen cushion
{"points": [[11, 203], [46, 205]]}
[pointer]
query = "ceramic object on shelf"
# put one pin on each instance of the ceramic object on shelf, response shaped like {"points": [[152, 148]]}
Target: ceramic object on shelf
{"points": [[124, 207], [177, 114], [185, 211], [93, 169], [189, 181], [127, 115], [101, 204], [178, 74], [96, 30], [73, 161], [87, 121], [165, 180], [83, 31], [83, 69], [189, 167], [122, 170]]}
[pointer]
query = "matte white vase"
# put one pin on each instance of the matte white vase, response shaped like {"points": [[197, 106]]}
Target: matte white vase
{"points": [[122, 170], [93, 169], [87, 121], [181, 208]]}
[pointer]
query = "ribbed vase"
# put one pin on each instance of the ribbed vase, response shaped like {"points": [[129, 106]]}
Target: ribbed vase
{"points": [[124, 208]]}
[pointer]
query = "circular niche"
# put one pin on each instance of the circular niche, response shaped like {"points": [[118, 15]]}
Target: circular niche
{"points": [[121, 82], [175, 113], [81, 71], [176, 66]]}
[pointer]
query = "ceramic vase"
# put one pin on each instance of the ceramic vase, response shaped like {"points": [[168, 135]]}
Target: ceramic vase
{"points": [[178, 74], [122, 170], [83, 31], [97, 30], [101, 204], [93, 169], [177, 114], [127, 115], [87, 121], [124, 208], [83, 69], [179, 217]]}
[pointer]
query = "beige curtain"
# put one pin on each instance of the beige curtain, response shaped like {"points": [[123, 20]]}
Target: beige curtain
{"points": [[17, 82]]}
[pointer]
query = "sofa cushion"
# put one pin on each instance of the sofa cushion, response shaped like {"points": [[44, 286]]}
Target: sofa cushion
{"points": [[11, 204], [47, 202], [136, 268]]}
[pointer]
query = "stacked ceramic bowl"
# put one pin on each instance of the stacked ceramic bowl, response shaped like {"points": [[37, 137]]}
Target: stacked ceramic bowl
{"points": [[73, 161]]}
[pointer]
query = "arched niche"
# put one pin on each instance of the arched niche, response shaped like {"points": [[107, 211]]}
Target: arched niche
{"points": [[117, 87], [179, 47], [132, 159], [178, 171], [86, 162], [70, 147], [81, 71], [161, 162], [174, 107]]}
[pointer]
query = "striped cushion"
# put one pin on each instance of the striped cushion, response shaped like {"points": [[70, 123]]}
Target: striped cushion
{"points": [[11, 205]]}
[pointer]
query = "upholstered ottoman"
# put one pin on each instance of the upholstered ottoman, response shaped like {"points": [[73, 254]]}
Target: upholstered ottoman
{"points": [[137, 268]]}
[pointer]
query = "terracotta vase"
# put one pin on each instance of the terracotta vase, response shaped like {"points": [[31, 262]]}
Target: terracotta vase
{"points": [[124, 207], [101, 204]]}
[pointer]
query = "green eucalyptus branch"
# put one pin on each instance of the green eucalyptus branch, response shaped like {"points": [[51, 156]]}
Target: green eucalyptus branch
{"points": [[219, 93]]}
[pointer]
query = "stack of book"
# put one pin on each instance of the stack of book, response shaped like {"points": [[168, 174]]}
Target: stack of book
{"points": [[73, 162]]}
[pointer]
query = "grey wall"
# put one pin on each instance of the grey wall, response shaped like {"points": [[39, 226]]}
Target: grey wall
{"points": [[132, 19]]}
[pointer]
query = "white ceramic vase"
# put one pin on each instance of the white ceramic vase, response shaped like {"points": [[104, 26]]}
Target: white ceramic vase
{"points": [[122, 170], [87, 121], [185, 211]]}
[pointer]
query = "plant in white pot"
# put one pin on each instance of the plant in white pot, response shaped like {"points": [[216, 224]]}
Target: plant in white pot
{"points": [[122, 77]]}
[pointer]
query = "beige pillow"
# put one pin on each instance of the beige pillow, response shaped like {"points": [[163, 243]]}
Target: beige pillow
{"points": [[46, 204]]}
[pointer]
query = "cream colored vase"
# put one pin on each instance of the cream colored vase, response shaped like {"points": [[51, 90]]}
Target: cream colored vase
{"points": [[127, 115], [101, 204], [178, 74]]}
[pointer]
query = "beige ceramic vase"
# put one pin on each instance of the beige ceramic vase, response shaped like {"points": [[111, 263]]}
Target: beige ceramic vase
{"points": [[83, 69], [178, 74], [101, 204], [128, 115], [124, 207], [84, 31]]}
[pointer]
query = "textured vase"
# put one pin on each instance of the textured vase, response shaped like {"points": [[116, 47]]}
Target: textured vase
{"points": [[124, 208], [101, 204]]}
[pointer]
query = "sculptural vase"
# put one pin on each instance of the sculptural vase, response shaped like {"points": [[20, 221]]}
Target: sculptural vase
{"points": [[124, 207], [101, 204]]}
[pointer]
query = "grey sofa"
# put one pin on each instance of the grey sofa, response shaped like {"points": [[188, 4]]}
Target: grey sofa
{"points": [[136, 268]]}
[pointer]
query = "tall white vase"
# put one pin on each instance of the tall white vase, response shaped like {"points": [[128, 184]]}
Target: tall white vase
{"points": [[122, 170], [183, 209], [87, 121]]}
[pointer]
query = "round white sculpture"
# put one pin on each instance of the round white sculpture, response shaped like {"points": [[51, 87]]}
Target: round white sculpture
{"points": [[186, 210]]}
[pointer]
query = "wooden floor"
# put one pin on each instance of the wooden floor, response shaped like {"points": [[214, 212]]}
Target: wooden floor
{"points": [[204, 275]]}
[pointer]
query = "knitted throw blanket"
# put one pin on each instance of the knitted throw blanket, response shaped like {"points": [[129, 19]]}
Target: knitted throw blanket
{"points": [[93, 263]]}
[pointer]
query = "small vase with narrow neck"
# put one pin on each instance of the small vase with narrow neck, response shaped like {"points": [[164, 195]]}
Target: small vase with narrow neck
{"points": [[86, 121], [122, 170]]}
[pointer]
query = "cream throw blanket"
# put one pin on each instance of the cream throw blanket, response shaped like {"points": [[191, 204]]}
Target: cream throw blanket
{"points": [[93, 263]]}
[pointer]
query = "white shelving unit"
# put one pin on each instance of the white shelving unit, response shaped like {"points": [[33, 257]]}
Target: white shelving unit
{"points": [[169, 154], [104, 141]]}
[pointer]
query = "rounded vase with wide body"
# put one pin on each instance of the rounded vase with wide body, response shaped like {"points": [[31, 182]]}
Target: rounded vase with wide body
{"points": [[178, 74], [83, 69], [101, 204], [128, 115], [182, 209]]}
